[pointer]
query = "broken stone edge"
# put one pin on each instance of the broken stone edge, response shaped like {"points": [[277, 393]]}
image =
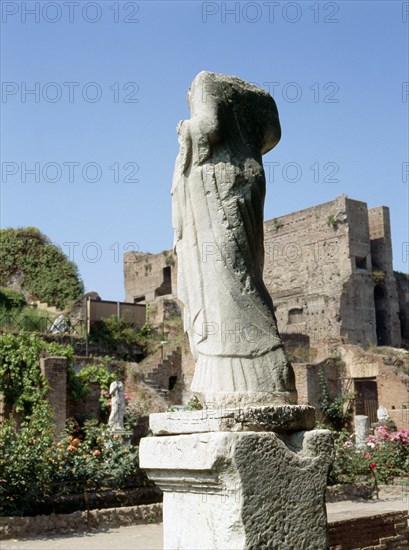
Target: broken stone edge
{"points": [[277, 418]]}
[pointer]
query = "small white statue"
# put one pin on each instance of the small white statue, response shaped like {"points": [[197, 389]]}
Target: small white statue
{"points": [[382, 413], [116, 418], [59, 325]]}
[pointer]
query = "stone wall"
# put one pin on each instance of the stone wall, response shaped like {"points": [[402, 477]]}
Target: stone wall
{"points": [[381, 532], [385, 291], [318, 270], [165, 317], [402, 282], [148, 276], [307, 381], [306, 263], [329, 271], [90, 406], [357, 311], [386, 370], [386, 367], [393, 393], [80, 521]]}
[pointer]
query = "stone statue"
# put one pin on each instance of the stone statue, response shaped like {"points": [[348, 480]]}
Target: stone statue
{"points": [[382, 414], [218, 200], [116, 418], [248, 471]]}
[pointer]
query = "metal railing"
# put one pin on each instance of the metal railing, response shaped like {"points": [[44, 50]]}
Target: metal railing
{"points": [[44, 324]]}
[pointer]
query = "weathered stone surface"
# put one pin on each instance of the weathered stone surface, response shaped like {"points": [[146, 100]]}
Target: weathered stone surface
{"points": [[275, 419], [116, 418], [246, 477], [318, 270], [243, 490], [218, 199], [361, 430], [54, 369]]}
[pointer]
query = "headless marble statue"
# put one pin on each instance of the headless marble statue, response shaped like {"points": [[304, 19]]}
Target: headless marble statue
{"points": [[116, 418], [218, 201]]}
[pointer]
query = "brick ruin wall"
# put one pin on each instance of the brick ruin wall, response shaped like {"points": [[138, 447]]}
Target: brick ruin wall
{"points": [[54, 369], [386, 291], [310, 271], [318, 269], [148, 276], [402, 281], [353, 363], [381, 532]]}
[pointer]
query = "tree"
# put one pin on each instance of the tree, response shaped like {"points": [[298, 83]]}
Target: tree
{"points": [[40, 269]]}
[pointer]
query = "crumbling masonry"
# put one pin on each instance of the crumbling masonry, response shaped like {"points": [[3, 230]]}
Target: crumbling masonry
{"points": [[328, 269]]}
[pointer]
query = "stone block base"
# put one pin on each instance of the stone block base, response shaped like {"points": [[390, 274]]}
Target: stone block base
{"points": [[214, 418], [241, 490]]}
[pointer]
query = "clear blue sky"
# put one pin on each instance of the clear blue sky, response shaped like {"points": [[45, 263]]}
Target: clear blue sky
{"points": [[341, 69]]}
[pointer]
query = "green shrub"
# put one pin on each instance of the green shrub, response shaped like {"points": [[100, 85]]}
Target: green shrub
{"points": [[332, 221], [21, 381], [337, 411], [114, 332], [194, 404], [277, 223], [378, 276], [27, 319], [349, 465], [11, 300], [34, 464], [44, 270], [25, 469], [97, 374], [91, 457]]}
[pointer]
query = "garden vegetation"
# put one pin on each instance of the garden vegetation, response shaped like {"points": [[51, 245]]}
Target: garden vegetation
{"points": [[39, 267]]}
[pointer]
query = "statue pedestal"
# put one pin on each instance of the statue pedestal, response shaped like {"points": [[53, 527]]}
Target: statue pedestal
{"points": [[242, 487]]}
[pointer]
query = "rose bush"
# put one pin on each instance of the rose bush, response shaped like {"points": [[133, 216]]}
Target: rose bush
{"points": [[385, 457], [34, 463]]}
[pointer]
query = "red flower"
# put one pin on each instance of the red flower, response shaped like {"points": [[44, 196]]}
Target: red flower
{"points": [[367, 455], [372, 465]]}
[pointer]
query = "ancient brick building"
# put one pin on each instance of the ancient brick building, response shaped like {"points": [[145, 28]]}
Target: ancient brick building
{"points": [[328, 269], [148, 276]]}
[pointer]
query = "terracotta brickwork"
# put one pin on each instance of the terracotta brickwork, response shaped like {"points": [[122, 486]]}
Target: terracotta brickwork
{"points": [[328, 269], [148, 276], [311, 272], [381, 532], [388, 368], [385, 292], [402, 281], [54, 369]]}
